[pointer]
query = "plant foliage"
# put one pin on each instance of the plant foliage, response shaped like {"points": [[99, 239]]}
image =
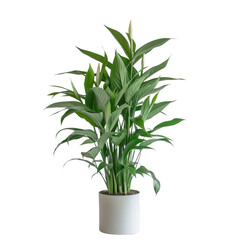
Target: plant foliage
{"points": [[117, 103]]}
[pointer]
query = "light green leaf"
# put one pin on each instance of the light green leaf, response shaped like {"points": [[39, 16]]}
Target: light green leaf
{"points": [[92, 153]]}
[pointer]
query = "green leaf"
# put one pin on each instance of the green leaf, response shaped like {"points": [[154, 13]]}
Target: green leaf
{"points": [[131, 169], [119, 75], [134, 87], [87, 141], [113, 119], [75, 92], [157, 108], [142, 170], [145, 108], [76, 72], [121, 40], [139, 121], [95, 119], [156, 183], [167, 124], [67, 104], [92, 153], [130, 146], [121, 93], [102, 97], [169, 78], [119, 138], [155, 69], [80, 159], [95, 56], [148, 47], [89, 79], [146, 143], [66, 114], [104, 137]]}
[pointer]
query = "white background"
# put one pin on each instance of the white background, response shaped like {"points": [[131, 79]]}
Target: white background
{"points": [[199, 196]]}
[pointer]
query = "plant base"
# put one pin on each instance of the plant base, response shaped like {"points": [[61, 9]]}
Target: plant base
{"points": [[119, 214]]}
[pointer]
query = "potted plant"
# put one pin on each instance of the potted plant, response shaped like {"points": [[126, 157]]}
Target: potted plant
{"points": [[118, 101]]}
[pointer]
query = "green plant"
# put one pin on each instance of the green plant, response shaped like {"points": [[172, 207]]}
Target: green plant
{"points": [[117, 103]]}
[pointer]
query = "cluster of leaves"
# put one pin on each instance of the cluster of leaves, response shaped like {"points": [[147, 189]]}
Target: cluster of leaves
{"points": [[118, 100]]}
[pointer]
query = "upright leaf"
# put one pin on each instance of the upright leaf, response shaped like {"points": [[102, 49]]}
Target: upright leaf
{"points": [[89, 79], [113, 119], [121, 40], [119, 74]]}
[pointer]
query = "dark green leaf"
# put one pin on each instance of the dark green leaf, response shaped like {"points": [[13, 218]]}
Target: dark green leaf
{"points": [[95, 56], [155, 69], [119, 75], [121, 40], [113, 119], [76, 72], [119, 138], [157, 108], [130, 146], [167, 123], [89, 79], [104, 137], [148, 47]]}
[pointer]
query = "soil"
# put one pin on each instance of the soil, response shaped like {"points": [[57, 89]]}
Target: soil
{"points": [[132, 192]]}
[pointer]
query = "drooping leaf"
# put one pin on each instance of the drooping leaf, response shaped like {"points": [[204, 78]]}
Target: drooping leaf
{"points": [[87, 141], [95, 56], [148, 47], [67, 104], [80, 159], [92, 153], [121, 40]]}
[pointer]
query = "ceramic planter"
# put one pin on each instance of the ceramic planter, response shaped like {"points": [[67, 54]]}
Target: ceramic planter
{"points": [[119, 214]]}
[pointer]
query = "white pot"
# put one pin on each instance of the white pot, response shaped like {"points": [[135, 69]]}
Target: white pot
{"points": [[119, 214]]}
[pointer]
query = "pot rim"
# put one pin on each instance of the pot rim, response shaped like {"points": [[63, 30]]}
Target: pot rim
{"points": [[119, 195]]}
